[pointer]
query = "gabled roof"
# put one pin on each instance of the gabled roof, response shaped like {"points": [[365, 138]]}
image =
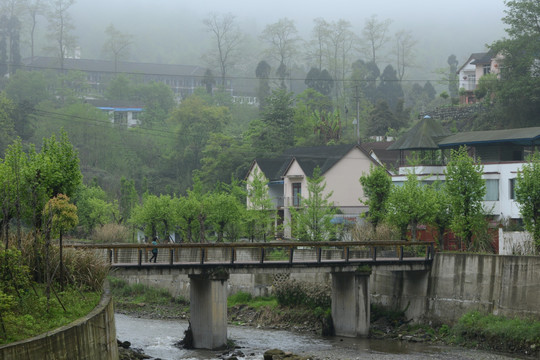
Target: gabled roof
{"points": [[307, 157], [523, 136], [474, 57], [483, 60], [274, 168], [91, 65], [390, 158], [322, 156], [423, 135]]}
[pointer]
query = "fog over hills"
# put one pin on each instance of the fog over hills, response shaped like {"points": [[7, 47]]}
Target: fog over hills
{"points": [[171, 31]]}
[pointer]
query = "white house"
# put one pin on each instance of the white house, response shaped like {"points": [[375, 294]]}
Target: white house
{"points": [[476, 66], [341, 167], [502, 153]]}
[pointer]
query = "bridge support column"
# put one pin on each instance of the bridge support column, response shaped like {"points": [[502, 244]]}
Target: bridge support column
{"points": [[350, 303], [208, 310]]}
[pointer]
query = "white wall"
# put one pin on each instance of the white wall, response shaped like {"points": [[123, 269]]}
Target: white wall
{"points": [[504, 208], [515, 243]]}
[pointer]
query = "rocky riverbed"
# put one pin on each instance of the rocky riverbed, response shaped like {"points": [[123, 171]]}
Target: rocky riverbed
{"points": [[304, 321]]}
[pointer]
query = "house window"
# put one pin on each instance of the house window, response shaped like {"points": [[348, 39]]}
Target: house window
{"points": [[471, 82], [296, 193], [487, 69], [512, 190], [492, 190]]}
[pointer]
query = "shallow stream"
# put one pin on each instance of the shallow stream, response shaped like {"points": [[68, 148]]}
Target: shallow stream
{"points": [[157, 338]]}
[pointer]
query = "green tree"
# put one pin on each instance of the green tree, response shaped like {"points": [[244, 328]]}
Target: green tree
{"points": [[60, 216], [27, 86], [119, 88], [410, 205], [224, 211], [13, 189], [54, 170], [466, 190], [277, 132], [261, 211], [194, 121], [127, 200], [155, 215], [518, 95], [320, 81], [224, 157], [262, 72], [453, 80], [528, 196], [313, 222], [487, 86], [441, 215], [389, 88], [185, 212], [376, 186], [7, 126], [93, 208], [381, 120], [158, 101]]}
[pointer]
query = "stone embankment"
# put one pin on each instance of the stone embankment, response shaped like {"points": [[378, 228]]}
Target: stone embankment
{"points": [[90, 337]]}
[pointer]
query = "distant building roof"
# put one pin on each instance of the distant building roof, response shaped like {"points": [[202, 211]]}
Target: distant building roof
{"points": [[389, 158], [423, 135], [522, 136], [117, 105], [91, 65]]}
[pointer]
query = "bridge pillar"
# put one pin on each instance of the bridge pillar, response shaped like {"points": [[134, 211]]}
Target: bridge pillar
{"points": [[208, 310], [350, 303]]}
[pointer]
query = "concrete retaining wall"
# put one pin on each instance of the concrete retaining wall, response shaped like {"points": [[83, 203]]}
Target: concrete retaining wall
{"points": [[456, 284], [91, 337]]}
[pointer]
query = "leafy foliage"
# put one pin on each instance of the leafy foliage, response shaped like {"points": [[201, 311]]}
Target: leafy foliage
{"points": [[528, 196], [313, 221], [410, 205], [376, 186], [466, 190]]}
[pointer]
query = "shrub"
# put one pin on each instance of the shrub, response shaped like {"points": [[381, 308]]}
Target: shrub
{"points": [[110, 233], [240, 297], [365, 232], [294, 293]]}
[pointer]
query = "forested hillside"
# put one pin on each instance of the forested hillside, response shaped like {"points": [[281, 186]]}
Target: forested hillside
{"points": [[336, 94]]}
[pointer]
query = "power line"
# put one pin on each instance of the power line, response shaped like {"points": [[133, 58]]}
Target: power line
{"points": [[235, 77]]}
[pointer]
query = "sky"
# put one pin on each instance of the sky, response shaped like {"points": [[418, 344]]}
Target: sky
{"points": [[171, 31]]}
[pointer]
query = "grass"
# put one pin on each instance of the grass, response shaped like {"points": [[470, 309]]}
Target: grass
{"points": [[243, 298], [31, 317], [519, 333], [140, 293]]}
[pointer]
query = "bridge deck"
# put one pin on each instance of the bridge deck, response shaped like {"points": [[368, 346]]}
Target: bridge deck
{"points": [[268, 257]]}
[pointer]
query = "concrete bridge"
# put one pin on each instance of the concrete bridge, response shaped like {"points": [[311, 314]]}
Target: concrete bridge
{"points": [[209, 265]]}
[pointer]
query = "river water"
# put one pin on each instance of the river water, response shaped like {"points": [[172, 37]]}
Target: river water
{"points": [[157, 338]]}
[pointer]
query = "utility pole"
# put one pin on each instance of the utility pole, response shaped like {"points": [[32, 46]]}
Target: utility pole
{"points": [[357, 98]]}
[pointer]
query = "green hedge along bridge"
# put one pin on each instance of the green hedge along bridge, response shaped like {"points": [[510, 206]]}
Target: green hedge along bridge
{"points": [[208, 266]]}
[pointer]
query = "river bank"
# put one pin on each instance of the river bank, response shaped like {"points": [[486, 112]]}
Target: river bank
{"points": [[474, 330], [307, 322]]}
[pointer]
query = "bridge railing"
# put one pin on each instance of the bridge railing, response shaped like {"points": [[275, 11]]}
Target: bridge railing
{"points": [[263, 253]]}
